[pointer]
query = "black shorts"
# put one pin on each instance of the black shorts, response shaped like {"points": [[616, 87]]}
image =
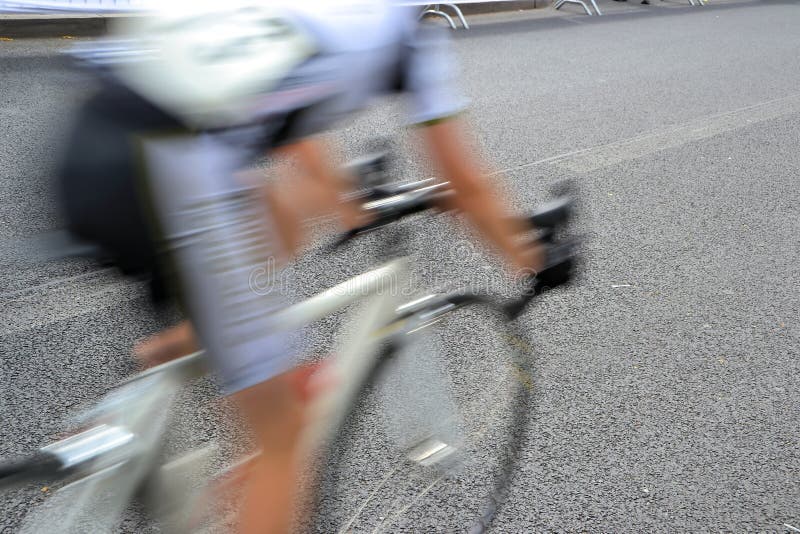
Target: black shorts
{"points": [[102, 183], [100, 186]]}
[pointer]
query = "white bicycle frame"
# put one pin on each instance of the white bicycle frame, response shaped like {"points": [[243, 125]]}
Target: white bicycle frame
{"points": [[382, 293], [119, 453]]}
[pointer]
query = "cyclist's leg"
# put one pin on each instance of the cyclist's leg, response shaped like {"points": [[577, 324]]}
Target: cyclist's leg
{"points": [[167, 345], [275, 412], [221, 240]]}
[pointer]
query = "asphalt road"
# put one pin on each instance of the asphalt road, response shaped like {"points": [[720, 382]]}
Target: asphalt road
{"points": [[667, 378]]}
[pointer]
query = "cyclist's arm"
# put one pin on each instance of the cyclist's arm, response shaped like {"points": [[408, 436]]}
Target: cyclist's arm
{"points": [[474, 195], [309, 185], [328, 178], [429, 78]]}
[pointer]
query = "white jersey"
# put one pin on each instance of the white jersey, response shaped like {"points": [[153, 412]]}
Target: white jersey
{"points": [[221, 64], [383, 49]]}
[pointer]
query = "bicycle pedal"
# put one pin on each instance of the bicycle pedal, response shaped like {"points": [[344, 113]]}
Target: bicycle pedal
{"points": [[432, 452]]}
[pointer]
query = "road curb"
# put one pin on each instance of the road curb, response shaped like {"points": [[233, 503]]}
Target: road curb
{"points": [[87, 25], [496, 7], [38, 26]]}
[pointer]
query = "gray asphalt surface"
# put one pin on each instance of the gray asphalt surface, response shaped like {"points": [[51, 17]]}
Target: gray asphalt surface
{"points": [[667, 378]]}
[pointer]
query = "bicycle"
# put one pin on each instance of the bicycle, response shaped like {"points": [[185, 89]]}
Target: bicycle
{"points": [[116, 455]]}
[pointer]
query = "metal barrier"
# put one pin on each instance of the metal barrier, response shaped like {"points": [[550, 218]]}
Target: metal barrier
{"points": [[72, 6], [436, 9], [123, 6], [560, 3], [433, 9]]}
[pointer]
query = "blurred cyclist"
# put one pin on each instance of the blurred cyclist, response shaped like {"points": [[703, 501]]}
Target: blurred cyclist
{"points": [[201, 90]]}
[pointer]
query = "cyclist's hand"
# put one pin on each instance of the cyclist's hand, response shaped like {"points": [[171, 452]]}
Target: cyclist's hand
{"points": [[530, 260]]}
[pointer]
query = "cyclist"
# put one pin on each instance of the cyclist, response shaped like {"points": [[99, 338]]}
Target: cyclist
{"points": [[217, 85]]}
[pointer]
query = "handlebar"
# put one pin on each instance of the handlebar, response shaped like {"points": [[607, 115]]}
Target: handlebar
{"points": [[389, 204]]}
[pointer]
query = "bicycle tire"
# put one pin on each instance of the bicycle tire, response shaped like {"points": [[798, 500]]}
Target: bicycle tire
{"points": [[352, 452]]}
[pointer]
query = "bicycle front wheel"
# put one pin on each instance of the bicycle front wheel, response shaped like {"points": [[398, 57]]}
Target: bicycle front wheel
{"points": [[432, 442]]}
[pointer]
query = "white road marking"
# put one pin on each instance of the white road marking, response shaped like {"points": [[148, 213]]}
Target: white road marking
{"points": [[63, 299], [593, 158]]}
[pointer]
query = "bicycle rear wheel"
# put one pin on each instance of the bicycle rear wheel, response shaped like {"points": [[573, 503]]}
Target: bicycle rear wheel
{"points": [[431, 444]]}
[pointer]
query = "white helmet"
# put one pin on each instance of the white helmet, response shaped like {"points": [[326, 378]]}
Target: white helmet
{"points": [[207, 59]]}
